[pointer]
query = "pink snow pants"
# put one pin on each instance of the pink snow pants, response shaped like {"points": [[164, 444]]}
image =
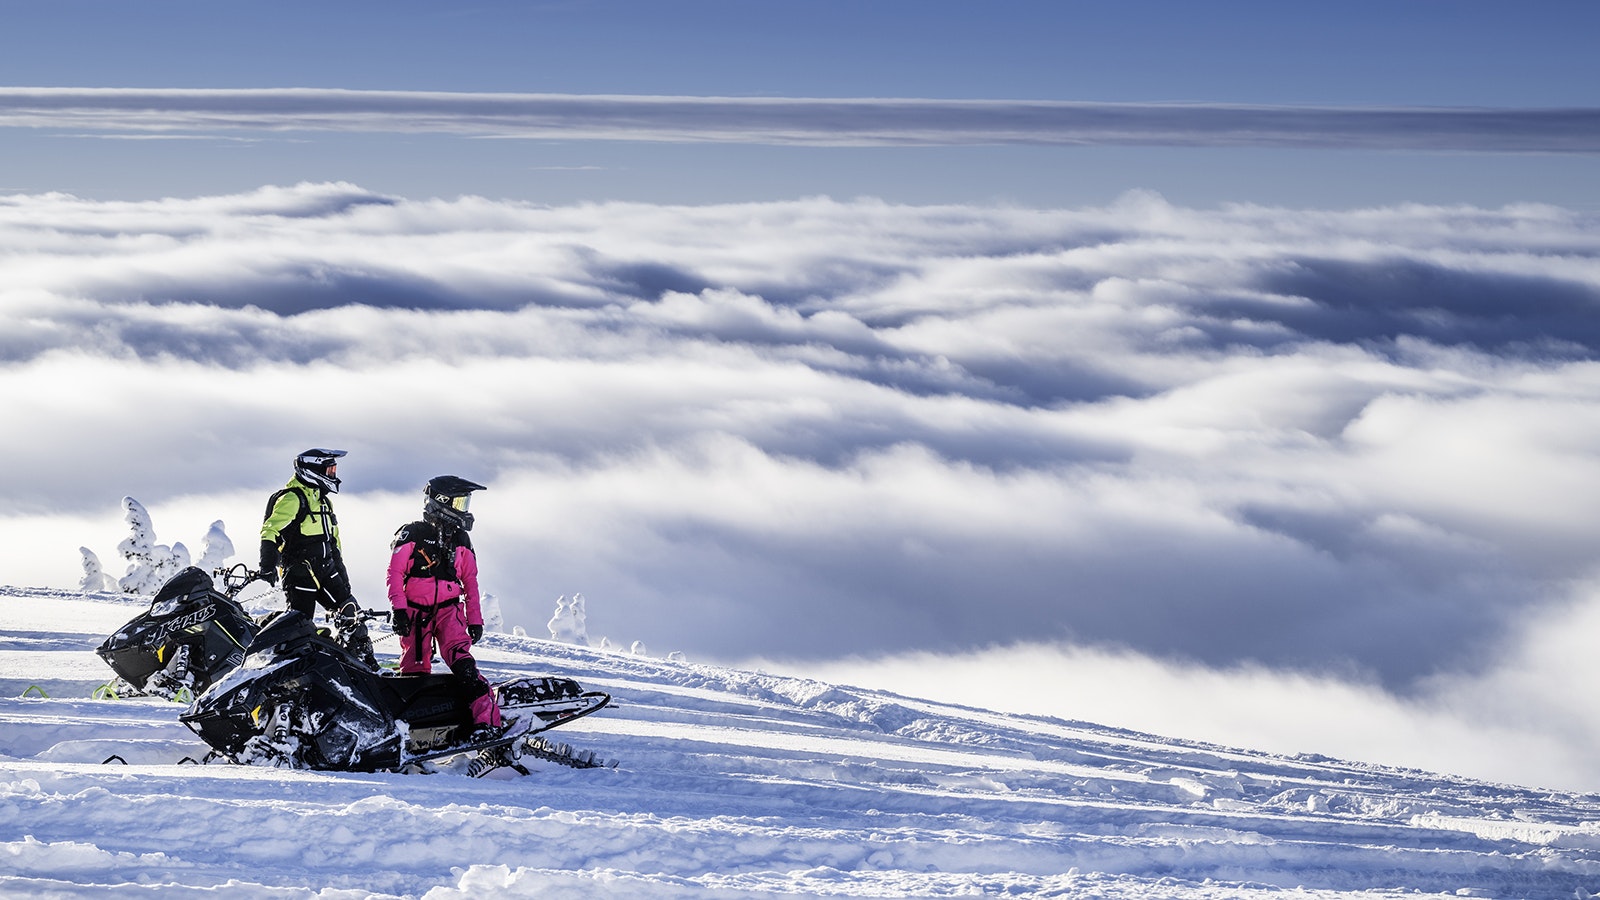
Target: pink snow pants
{"points": [[446, 629]]}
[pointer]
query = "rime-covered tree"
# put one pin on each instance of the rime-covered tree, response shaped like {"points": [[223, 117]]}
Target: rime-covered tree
{"points": [[150, 564], [494, 618], [215, 548], [139, 549], [94, 575], [569, 624]]}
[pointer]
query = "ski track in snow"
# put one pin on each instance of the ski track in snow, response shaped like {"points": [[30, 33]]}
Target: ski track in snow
{"points": [[733, 784]]}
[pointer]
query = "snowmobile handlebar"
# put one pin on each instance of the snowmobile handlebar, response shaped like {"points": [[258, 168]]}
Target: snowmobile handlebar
{"points": [[353, 612], [235, 577]]}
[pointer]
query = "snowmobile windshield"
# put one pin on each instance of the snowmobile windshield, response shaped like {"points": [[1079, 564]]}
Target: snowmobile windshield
{"points": [[183, 590]]}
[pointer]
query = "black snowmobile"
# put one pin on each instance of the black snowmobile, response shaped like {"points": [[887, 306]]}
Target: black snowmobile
{"points": [[300, 700], [191, 634]]}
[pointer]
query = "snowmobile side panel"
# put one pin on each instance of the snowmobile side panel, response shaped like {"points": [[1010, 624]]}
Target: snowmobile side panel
{"points": [[517, 729]]}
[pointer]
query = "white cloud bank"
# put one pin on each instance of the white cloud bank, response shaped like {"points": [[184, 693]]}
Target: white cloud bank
{"points": [[805, 120], [1529, 719], [1347, 457]]}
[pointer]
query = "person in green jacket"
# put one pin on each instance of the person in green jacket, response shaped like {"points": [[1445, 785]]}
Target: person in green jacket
{"points": [[300, 545]]}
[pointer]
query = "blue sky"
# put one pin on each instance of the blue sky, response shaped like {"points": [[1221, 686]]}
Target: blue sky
{"points": [[1379, 55], [1362, 52], [1248, 338]]}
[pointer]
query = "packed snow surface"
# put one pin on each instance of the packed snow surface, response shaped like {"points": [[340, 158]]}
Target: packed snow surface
{"points": [[732, 784]]}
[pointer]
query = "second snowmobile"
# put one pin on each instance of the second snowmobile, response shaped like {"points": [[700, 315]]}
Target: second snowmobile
{"points": [[190, 635], [300, 700]]}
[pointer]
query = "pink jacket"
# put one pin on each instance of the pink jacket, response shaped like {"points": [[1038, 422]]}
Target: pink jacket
{"points": [[407, 589]]}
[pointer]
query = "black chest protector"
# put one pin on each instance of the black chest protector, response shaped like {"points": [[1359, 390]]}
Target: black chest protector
{"points": [[293, 542], [433, 555]]}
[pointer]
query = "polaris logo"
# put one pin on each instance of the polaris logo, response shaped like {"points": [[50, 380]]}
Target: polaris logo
{"points": [[198, 617]]}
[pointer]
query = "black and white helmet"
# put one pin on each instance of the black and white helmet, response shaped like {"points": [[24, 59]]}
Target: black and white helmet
{"points": [[315, 468], [448, 499]]}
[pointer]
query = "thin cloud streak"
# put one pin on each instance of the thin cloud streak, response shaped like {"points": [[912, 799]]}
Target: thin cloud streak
{"points": [[806, 121]]}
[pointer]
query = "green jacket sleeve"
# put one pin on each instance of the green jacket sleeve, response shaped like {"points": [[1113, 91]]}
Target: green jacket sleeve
{"points": [[279, 517]]}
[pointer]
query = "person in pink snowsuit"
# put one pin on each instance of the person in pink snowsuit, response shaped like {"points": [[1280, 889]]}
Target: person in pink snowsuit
{"points": [[433, 590]]}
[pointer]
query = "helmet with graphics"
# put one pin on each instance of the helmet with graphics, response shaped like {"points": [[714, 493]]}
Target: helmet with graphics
{"points": [[317, 468], [448, 497]]}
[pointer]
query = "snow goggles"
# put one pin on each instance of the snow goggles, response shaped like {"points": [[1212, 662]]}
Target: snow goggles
{"points": [[459, 504]]}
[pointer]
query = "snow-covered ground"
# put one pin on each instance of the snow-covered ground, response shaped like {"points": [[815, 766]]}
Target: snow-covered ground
{"points": [[733, 784]]}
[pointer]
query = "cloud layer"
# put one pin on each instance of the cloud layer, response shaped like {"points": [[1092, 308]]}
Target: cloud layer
{"points": [[806, 121], [1356, 444]]}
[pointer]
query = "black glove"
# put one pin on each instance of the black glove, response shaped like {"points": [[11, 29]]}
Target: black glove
{"points": [[400, 622], [269, 562], [475, 632]]}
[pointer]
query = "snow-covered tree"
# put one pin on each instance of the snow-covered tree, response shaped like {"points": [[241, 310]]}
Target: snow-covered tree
{"points": [[139, 549], [580, 619], [569, 624], [168, 561], [494, 618], [94, 575], [150, 565], [215, 548]]}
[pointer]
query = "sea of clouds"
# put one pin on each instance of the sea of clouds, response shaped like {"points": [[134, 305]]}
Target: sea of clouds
{"points": [[1305, 468]]}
